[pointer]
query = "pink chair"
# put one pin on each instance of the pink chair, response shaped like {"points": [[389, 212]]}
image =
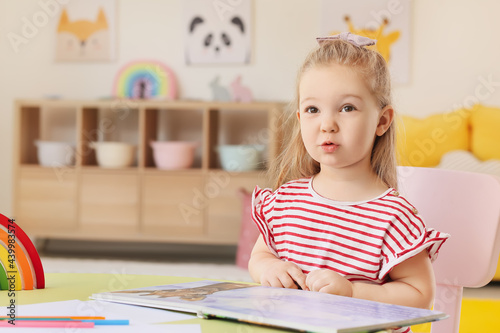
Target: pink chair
{"points": [[248, 232], [467, 206]]}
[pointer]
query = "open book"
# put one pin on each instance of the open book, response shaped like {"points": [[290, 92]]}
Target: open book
{"points": [[280, 307]]}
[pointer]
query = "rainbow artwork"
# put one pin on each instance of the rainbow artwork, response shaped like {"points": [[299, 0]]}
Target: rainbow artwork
{"points": [[145, 80], [18, 259]]}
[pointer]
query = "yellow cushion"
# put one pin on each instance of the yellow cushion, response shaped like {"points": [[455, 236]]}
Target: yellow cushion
{"points": [[496, 277], [422, 142], [485, 135]]}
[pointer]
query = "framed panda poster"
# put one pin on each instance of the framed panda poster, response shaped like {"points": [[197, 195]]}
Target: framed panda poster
{"points": [[217, 32]]}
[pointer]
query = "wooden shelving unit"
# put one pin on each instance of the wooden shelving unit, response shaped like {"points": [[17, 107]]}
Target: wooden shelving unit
{"points": [[138, 203]]}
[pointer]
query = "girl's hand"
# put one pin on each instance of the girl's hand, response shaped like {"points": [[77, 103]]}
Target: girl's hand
{"points": [[283, 274], [270, 271], [328, 281]]}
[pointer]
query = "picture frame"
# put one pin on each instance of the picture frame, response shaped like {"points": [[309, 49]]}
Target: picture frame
{"points": [[86, 31], [217, 32], [389, 22]]}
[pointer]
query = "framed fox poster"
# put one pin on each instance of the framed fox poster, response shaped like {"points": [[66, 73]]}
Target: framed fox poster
{"points": [[86, 31]]}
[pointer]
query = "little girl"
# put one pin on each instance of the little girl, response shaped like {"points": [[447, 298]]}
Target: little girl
{"points": [[336, 222]]}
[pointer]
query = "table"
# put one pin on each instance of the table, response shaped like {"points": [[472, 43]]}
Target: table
{"points": [[68, 286]]}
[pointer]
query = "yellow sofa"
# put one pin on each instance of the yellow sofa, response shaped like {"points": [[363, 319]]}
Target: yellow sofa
{"points": [[464, 139]]}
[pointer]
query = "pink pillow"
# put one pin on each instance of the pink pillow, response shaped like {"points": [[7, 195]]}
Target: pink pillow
{"points": [[248, 232]]}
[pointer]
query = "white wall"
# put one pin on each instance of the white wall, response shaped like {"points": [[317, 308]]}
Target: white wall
{"points": [[455, 49]]}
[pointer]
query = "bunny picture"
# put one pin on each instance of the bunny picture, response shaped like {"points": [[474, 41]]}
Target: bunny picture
{"points": [[240, 92], [219, 93]]}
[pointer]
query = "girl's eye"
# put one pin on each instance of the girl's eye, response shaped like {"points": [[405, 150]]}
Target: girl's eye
{"points": [[348, 108], [312, 109]]}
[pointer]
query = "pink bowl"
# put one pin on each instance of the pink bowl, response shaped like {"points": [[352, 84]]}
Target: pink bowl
{"points": [[171, 155]]}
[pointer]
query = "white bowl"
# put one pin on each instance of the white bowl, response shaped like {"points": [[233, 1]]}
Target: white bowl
{"points": [[240, 157], [55, 153], [114, 154]]}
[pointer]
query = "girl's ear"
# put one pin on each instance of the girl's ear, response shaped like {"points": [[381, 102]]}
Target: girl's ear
{"points": [[385, 120]]}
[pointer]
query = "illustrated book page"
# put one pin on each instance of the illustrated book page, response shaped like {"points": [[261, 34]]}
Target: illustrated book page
{"points": [[280, 307]]}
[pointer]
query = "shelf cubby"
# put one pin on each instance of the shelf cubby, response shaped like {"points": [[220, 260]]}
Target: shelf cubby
{"points": [[45, 123], [173, 124], [103, 124]]}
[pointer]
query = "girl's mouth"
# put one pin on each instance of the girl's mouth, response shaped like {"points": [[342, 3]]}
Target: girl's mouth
{"points": [[329, 147]]}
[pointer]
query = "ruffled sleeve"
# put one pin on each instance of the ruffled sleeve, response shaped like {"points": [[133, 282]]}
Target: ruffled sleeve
{"points": [[405, 240], [261, 215]]}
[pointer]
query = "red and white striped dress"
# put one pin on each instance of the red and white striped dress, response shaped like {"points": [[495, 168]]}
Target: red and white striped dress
{"points": [[362, 241]]}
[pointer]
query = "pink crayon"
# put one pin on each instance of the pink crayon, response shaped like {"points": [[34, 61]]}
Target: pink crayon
{"points": [[47, 324]]}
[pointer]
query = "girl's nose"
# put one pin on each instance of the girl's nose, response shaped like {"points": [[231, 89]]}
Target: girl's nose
{"points": [[329, 124]]}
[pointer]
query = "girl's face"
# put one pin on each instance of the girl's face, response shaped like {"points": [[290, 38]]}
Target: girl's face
{"points": [[339, 117]]}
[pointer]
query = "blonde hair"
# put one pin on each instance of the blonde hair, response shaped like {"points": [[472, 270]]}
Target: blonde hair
{"points": [[294, 162]]}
